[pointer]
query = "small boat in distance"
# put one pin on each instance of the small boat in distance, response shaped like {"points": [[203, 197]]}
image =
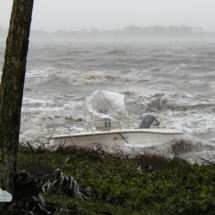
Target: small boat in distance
{"points": [[110, 125]]}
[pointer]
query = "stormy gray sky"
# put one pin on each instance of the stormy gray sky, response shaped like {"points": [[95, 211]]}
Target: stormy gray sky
{"points": [[52, 15]]}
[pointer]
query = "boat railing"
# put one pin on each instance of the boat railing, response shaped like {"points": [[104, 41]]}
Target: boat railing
{"points": [[121, 124]]}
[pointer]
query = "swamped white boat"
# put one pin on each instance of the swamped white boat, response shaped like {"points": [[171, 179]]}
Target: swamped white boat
{"points": [[118, 137], [110, 125]]}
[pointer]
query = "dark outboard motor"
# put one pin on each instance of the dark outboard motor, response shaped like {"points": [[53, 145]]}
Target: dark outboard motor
{"points": [[149, 121]]}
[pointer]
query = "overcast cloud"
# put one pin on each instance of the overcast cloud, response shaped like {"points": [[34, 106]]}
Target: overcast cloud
{"points": [[52, 15]]}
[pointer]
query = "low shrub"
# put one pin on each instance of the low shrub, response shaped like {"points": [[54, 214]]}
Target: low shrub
{"points": [[117, 184]]}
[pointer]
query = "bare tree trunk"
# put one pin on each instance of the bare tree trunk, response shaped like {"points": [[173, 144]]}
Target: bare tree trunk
{"points": [[12, 84]]}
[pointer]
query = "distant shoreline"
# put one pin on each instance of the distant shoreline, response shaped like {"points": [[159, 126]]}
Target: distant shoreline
{"points": [[129, 33]]}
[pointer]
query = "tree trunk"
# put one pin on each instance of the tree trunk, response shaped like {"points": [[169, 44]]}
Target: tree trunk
{"points": [[12, 84]]}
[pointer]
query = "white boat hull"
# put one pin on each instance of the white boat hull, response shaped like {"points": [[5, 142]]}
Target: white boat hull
{"points": [[118, 137]]}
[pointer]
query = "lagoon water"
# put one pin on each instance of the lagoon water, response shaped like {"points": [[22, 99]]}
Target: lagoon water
{"points": [[174, 81]]}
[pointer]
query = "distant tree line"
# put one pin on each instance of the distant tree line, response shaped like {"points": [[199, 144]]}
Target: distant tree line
{"points": [[154, 32]]}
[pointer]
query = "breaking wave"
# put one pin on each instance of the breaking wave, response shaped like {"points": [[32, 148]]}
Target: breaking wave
{"points": [[54, 76], [176, 102], [187, 145]]}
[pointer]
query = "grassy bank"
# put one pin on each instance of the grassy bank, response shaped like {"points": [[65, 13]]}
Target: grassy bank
{"points": [[116, 184]]}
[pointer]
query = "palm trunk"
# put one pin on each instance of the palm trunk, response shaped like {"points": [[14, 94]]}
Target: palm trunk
{"points": [[12, 84]]}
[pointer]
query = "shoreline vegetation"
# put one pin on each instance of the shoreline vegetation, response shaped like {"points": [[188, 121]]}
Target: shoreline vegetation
{"points": [[113, 183]]}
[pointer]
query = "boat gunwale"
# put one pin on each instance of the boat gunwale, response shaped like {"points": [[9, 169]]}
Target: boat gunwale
{"points": [[98, 133]]}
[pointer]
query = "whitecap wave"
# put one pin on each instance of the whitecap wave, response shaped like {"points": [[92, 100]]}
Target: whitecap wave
{"points": [[53, 76]]}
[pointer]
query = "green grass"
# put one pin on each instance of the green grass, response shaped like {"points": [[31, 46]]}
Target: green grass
{"points": [[116, 186]]}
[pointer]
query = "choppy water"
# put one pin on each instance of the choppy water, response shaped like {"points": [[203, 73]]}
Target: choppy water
{"points": [[175, 81]]}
